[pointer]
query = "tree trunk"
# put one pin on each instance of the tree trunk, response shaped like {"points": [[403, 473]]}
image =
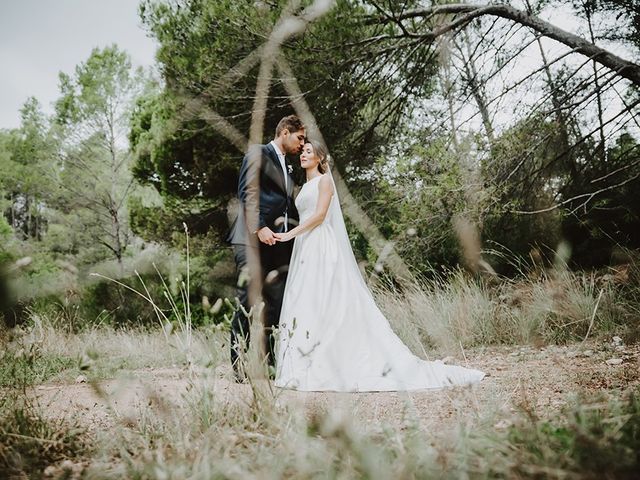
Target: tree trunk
{"points": [[476, 89], [27, 224], [13, 217], [444, 76], [563, 129], [602, 146], [113, 201]]}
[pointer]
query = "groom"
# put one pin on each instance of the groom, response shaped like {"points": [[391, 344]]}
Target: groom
{"points": [[265, 191]]}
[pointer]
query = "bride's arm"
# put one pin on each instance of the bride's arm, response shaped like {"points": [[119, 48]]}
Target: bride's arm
{"points": [[325, 188]]}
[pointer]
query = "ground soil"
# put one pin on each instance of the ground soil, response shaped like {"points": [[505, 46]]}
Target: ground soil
{"points": [[540, 380]]}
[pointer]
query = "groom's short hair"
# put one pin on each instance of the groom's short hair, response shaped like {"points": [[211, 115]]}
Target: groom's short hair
{"points": [[291, 123]]}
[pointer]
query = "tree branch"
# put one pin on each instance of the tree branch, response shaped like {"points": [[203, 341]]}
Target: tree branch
{"points": [[624, 68]]}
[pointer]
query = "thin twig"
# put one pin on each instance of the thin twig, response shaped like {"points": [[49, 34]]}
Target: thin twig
{"points": [[593, 315]]}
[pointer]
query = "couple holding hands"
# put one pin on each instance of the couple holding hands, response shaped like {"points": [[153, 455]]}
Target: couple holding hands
{"points": [[323, 330]]}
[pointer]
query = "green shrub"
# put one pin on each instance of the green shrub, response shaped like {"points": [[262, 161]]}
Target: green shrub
{"points": [[120, 306], [26, 365], [5, 229]]}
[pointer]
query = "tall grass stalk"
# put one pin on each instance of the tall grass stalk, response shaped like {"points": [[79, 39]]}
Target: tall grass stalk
{"points": [[182, 316]]}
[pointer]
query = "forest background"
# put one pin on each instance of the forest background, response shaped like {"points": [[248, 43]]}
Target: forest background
{"points": [[467, 141]]}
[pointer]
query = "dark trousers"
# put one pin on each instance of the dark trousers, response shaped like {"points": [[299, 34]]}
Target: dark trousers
{"points": [[274, 262]]}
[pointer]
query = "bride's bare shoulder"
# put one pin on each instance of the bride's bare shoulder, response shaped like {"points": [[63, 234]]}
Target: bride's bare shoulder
{"points": [[325, 183]]}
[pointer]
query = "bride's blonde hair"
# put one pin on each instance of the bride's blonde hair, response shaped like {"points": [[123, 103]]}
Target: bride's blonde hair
{"points": [[320, 150]]}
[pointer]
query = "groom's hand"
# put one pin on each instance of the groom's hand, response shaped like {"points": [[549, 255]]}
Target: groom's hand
{"points": [[265, 235]]}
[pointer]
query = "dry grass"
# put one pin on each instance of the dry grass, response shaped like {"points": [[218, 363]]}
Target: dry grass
{"points": [[30, 442], [202, 432], [49, 354], [205, 437], [462, 311]]}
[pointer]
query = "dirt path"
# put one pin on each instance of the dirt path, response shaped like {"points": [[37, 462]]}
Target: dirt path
{"points": [[543, 378]]}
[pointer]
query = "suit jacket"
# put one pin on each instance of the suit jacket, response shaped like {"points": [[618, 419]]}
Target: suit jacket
{"points": [[265, 202]]}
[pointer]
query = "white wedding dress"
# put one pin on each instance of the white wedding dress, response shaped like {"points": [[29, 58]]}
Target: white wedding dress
{"points": [[332, 336]]}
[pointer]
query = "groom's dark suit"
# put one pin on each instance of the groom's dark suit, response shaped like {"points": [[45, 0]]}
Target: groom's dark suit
{"points": [[263, 203]]}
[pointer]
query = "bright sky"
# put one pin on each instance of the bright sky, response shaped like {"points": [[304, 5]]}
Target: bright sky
{"points": [[39, 38]]}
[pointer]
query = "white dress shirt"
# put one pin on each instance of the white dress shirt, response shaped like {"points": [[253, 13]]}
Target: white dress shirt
{"points": [[282, 162], [284, 171]]}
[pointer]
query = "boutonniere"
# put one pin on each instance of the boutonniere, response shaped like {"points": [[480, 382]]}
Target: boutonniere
{"points": [[290, 169]]}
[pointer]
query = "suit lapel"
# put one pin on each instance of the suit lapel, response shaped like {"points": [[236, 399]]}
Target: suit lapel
{"points": [[290, 184], [274, 158]]}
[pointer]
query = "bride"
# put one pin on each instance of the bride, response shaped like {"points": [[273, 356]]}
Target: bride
{"points": [[332, 336]]}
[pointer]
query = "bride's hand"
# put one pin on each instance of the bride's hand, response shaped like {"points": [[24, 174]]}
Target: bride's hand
{"points": [[283, 237]]}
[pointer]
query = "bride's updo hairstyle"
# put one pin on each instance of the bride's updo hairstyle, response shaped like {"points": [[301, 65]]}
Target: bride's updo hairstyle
{"points": [[320, 150]]}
